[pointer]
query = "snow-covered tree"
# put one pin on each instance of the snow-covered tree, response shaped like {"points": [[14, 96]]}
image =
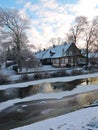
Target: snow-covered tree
{"points": [[15, 26]]}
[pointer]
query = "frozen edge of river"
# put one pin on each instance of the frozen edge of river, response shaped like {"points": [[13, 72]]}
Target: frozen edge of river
{"points": [[59, 95]]}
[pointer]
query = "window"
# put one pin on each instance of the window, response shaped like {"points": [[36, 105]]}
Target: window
{"points": [[62, 60], [56, 61], [66, 60], [70, 53], [70, 60]]}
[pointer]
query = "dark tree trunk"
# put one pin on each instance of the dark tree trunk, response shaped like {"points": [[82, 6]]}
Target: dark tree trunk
{"points": [[19, 55], [87, 57]]}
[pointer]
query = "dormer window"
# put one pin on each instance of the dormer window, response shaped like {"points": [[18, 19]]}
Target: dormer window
{"points": [[51, 53]]}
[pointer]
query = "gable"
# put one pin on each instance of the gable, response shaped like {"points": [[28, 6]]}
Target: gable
{"points": [[73, 50]]}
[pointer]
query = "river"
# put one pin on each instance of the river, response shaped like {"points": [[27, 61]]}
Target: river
{"points": [[32, 111], [12, 93], [28, 112]]}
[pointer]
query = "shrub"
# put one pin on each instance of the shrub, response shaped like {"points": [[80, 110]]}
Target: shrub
{"points": [[59, 74], [24, 77], [76, 72], [46, 75], [15, 68], [4, 79], [38, 76]]}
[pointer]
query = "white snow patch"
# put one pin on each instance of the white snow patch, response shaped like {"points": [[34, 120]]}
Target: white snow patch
{"points": [[72, 121], [50, 80], [46, 111]]}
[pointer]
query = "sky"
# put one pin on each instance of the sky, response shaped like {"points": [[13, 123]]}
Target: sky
{"points": [[51, 18]]}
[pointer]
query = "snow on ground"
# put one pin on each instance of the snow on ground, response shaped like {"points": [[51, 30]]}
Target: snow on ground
{"points": [[7, 71], [50, 80], [41, 68], [72, 121]]}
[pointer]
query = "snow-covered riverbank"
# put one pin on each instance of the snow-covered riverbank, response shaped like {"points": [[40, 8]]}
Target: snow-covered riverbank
{"points": [[49, 80], [79, 89], [72, 121]]}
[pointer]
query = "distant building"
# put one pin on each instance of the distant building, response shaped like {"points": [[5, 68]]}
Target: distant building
{"points": [[61, 56], [93, 58]]}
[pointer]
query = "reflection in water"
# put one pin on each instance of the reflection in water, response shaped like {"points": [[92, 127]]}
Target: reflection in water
{"points": [[89, 81], [56, 87], [44, 88]]}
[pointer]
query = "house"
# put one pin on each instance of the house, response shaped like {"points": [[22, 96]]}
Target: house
{"points": [[61, 56], [42, 56], [93, 58]]}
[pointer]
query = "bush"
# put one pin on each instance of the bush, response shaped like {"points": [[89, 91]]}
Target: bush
{"points": [[4, 79], [25, 77], [15, 68], [59, 74], [38, 76], [46, 75], [76, 72]]}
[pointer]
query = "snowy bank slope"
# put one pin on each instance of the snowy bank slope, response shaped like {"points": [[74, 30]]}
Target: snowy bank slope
{"points": [[73, 121], [50, 80]]}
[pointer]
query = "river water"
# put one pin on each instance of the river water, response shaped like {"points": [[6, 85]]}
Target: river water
{"points": [[56, 87], [32, 111]]}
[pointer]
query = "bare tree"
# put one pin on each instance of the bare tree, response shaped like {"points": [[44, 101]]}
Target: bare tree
{"points": [[52, 42], [28, 59], [90, 36], [77, 29], [33, 62], [85, 30], [4, 46], [15, 25]]}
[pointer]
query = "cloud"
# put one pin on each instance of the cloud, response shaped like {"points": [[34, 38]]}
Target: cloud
{"points": [[52, 19], [20, 1], [86, 8], [52, 4], [34, 36]]}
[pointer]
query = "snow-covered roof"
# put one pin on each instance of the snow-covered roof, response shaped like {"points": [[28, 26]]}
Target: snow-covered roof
{"points": [[40, 54], [54, 52], [93, 55]]}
